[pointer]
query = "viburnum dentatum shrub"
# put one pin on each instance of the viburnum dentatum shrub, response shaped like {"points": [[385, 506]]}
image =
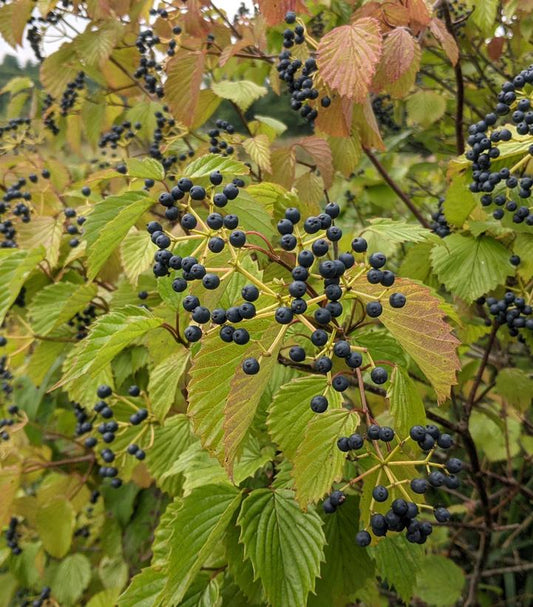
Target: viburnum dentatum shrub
{"points": [[266, 304]]}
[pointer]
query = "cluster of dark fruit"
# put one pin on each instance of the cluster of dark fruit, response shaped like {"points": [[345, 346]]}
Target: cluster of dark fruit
{"points": [[6, 377], [495, 185], [83, 531], [149, 68], [119, 133], [12, 536], [108, 429], [402, 514], [82, 321], [384, 112], [33, 36], [439, 224], [20, 300], [7, 422], [16, 125], [45, 594], [70, 94], [298, 75], [164, 128], [20, 209], [49, 116], [511, 310], [217, 144], [73, 228]]}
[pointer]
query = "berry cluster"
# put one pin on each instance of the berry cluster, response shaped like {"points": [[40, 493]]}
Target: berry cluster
{"points": [[149, 69], [109, 428], [12, 536], [6, 376], [70, 94], [33, 36], [510, 310], [403, 512], [300, 76], [82, 321], [73, 228], [20, 209], [439, 225], [384, 112], [508, 186], [49, 116], [218, 145], [43, 597], [119, 134]]}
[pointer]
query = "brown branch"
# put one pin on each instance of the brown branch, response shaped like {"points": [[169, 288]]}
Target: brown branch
{"points": [[396, 188], [477, 381]]}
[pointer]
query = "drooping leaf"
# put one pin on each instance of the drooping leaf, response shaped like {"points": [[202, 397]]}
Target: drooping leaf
{"points": [[164, 380], [470, 267], [109, 223], [459, 201], [399, 53], [184, 79], [15, 266], [245, 394], [436, 573], [258, 148], [318, 462], [407, 406], [438, 28], [397, 562], [347, 567], [434, 348], [515, 387], [136, 254], [284, 544], [395, 231], [199, 525], [241, 92], [57, 303], [320, 152], [347, 57], [109, 335]]}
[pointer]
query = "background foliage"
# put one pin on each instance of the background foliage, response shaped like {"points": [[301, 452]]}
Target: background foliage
{"points": [[223, 507]]}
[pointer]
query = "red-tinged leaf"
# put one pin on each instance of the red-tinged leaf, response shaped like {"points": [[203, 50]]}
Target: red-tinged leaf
{"points": [[274, 11], [185, 73], [402, 87], [347, 57], [194, 23], [389, 14], [419, 14], [398, 56], [320, 152], [232, 49], [283, 164], [445, 39], [365, 123], [336, 120], [420, 328], [495, 47]]}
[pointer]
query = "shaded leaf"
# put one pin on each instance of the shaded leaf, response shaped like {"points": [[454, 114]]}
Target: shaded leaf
{"points": [[438, 28], [144, 589], [55, 523], [182, 88], [164, 380], [439, 572], [71, 578], [258, 148], [136, 254], [425, 107], [407, 406]]}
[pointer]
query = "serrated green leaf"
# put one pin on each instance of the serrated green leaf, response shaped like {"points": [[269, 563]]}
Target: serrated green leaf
{"points": [[203, 592], [253, 216], [343, 557], [258, 148], [394, 231], [245, 394], [397, 562], [95, 46], [484, 15], [15, 267], [436, 573], [202, 167], [284, 544], [144, 589], [108, 336], [108, 224], [318, 462], [211, 376], [523, 247], [290, 413], [516, 387], [407, 406], [57, 303], [145, 168], [241, 92], [164, 380], [200, 524], [470, 267], [70, 579]]}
